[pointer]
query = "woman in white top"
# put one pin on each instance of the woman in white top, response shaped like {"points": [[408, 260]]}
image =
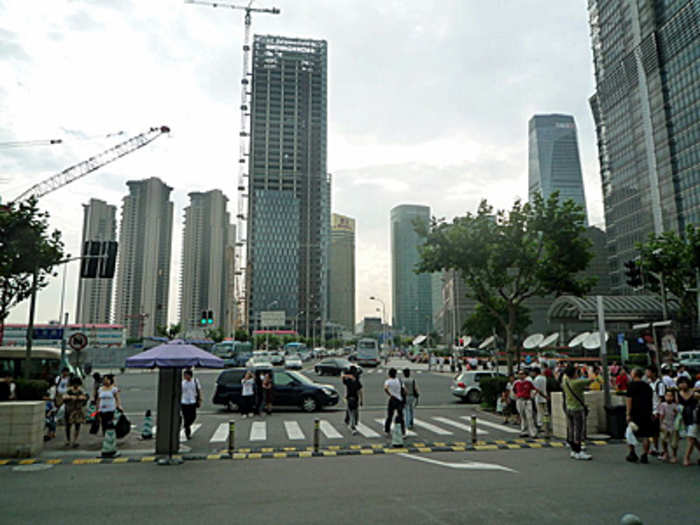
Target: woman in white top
{"points": [[108, 401], [190, 399], [247, 394]]}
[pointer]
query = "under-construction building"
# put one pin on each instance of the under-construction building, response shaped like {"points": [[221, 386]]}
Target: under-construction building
{"points": [[288, 187]]}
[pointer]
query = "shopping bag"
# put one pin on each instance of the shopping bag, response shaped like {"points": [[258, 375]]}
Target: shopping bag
{"points": [[123, 426], [630, 435], [61, 415], [94, 426]]}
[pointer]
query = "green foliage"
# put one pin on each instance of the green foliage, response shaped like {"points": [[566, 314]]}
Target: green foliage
{"points": [[31, 389], [174, 330], [215, 334], [491, 388], [482, 323], [241, 335]]}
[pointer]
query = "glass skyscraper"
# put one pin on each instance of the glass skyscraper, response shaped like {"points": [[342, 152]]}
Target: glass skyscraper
{"points": [[342, 271], [647, 112], [289, 188], [554, 163]]}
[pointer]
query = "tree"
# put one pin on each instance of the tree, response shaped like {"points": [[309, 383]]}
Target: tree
{"points": [[215, 334], [535, 249], [26, 246], [241, 335], [174, 330], [162, 330], [482, 323]]}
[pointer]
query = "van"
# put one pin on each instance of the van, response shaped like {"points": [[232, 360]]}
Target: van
{"points": [[45, 362], [688, 354]]}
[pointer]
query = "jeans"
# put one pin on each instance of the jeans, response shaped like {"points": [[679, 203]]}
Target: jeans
{"points": [[189, 414], [408, 410], [353, 417], [395, 405], [525, 411]]}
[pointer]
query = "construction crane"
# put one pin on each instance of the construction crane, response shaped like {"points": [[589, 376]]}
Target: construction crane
{"points": [[51, 142], [243, 134], [81, 169]]}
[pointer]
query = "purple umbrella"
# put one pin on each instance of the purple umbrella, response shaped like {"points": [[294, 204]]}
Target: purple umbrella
{"points": [[175, 354]]}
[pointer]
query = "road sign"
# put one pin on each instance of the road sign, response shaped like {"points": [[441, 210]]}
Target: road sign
{"points": [[78, 341], [272, 319]]}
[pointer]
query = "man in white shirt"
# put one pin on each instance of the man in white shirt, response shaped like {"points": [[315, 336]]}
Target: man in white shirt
{"points": [[540, 381], [190, 399], [392, 387]]}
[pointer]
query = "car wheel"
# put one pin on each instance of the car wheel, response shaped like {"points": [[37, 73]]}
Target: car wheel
{"points": [[474, 396], [309, 404], [231, 406]]}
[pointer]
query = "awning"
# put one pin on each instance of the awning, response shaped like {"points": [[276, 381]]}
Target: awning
{"points": [[618, 308]]}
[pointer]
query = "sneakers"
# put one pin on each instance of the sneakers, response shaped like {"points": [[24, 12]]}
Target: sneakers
{"points": [[632, 457], [644, 459], [572, 454], [583, 456], [354, 432]]}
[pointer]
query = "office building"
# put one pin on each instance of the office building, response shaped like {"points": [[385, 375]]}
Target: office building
{"points": [[646, 107], [289, 188], [554, 163], [342, 271], [205, 268], [412, 293], [94, 304], [143, 271]]}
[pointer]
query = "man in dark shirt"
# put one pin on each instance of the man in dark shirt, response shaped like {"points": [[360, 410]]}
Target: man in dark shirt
{"points": [[639, 412], [353, 397]]}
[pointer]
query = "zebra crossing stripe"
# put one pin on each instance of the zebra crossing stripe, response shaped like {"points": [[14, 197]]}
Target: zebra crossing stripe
{"points": [[329, 431], [409, 433], [293, 430], [482, 421], [221, 434], [194, 428], [366, 431], [258, 431], [458, 425], [431, 427]]}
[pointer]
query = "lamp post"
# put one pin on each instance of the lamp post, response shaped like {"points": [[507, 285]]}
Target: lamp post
{"points": [[373, 298], [296, 320], [267, 332]]}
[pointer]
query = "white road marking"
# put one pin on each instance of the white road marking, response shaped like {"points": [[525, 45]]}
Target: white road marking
{"points": [[458, 425], [366, 431], [409, 433], [329, 431], [258, 431], [482, 421], [221, 434], [293, 430], [431, 427], [468, 465], [194, 428]]}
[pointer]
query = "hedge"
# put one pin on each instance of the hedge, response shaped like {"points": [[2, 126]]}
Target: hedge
{"points": [[491, 388], [31, 389]]}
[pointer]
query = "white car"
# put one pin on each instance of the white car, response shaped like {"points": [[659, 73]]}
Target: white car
{"points": [[293, 362], [259, 360]]}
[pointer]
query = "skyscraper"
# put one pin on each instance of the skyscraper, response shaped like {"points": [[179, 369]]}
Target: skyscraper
{"points": [[342, 271], [143, 272], [205, 272], [95, 295], [554, 163], [411, 293], [289, 188], [646, 109]]}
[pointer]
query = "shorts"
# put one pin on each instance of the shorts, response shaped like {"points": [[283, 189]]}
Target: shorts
{"points": [[669, 437], [691, 431], [646, 425]]}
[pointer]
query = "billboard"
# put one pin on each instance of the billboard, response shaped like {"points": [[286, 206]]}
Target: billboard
{"points": [[342, 223], [272, 319]]}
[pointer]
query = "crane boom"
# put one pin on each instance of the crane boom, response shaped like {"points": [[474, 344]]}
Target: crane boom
{"points": [[81, 169], [247, 9]]}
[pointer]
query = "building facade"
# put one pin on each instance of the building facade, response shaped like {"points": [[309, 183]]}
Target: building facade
{"points": [[554, 163], [205, 271], [94, 303], [289, 188], [646, 107], [342, 272], [143, 270], [412, 294]]}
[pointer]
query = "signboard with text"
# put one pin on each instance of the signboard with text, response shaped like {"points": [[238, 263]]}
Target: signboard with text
{"points": [[272, 319]]}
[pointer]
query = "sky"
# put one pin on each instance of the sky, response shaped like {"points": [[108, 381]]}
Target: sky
{"points": [[428, 103]]}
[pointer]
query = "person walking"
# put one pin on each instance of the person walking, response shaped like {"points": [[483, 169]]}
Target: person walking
{"points": [[248, 397], [524, 388], [353, 397], [668, 410], [576, 411], [392, 388], [658, 389], [688, 399], [190, 400], [639, 412], [108, 401], [267, 392], [411, 390], [62, 383], [540, 382], [74, 400]]}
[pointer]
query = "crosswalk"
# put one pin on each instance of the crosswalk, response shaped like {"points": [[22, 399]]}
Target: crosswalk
{"points": [[382, 371]]}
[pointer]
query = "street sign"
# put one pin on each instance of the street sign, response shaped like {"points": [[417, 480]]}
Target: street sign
{"points": [[78, 341], [272, 319], [54, 334]]}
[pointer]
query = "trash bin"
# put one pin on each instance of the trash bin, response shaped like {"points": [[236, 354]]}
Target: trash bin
{"points": [[616, 421]]}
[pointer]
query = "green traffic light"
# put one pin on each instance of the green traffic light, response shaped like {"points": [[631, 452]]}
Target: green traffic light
{"points": [[203, 321], [210, 321]]}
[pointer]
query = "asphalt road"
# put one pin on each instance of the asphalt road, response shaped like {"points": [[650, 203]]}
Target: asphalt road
{"points": [[540, 486]]}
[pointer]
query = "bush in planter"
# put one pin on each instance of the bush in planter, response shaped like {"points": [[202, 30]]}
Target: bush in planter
{"points": [[491, 388], [31, 389]]}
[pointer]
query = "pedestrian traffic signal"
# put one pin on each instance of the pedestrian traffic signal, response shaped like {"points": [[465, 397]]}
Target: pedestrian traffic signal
{"points": [[633, 274], [207, 317], [90, 259], [108, 262]]}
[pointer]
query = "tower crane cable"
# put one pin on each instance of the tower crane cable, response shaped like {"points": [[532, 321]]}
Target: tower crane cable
{"points": [[51, 142]]}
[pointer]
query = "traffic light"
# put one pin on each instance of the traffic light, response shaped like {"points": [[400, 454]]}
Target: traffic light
{"points": [[210, 317], [207, 317], [633, 274], [108, 262], [203, 319], [90, 261]]}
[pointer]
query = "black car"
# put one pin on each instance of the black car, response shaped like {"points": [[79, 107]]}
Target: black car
{"points": [[290, 389], [333, 366]]}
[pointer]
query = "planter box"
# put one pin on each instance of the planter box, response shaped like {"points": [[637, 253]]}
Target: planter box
{"points": [[596, 422], [21, 428]]}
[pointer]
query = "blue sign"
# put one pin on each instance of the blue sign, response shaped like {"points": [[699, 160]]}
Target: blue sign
{"points": [[55, 334], [620, 339]]}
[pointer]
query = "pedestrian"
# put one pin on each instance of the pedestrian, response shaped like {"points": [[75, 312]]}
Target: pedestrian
{"points": [[668, 410], [452, 364], [267, 391], [441, 362], [576, 411], [353, 397], [50, 413], [667, 378], [689, 399], [683, 371], [639, 412], [96, 384], [259, 394], [74, 399], [540, 382], [392, 388], [108, 402], [62, 382], [658, 388], [597, 379], [411, 390], [8, 388], [511, 409], [248, 396], [524, 388], [622, 379], [190, 401]]}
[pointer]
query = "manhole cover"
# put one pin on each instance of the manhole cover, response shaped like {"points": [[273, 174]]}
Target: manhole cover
{"points": [[32, 468]]}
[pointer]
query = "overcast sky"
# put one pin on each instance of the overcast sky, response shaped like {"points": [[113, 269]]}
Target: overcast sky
{"points": [[428, 104]]}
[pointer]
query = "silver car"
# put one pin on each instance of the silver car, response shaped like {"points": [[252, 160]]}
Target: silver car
{"points": [[466, 385]]}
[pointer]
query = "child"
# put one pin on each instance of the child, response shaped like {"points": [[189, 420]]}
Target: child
{"points": [[50, 414], [501, 404], [668, 410]]}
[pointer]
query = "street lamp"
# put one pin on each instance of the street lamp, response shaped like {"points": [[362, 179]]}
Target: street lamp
{"points": [[267, 332], [373, 298], [296, 319]]}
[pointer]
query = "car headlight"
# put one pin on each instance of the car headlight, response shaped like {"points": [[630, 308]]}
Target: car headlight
{"points": [[329, 392]]}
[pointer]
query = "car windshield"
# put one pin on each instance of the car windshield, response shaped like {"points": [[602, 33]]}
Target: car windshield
{"points": [[301, 378]]}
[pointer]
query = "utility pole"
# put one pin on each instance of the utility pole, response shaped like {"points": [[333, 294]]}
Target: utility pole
{"points": [[30, 325]]}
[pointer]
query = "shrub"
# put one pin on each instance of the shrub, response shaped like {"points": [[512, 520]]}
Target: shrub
{"points": [[31, 389], [491, 388]]}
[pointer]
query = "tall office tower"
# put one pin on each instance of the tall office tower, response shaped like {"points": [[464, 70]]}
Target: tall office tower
{"points": [[554, 163], [205, 274], [646, 109], [95, 295], [143, 272], [342, 271], [289, 189], [411, 293]]}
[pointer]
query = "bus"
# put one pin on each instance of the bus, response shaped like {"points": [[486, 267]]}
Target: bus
{"points": [[367, 352], [297, 348], [45, 362], [234, 353]]}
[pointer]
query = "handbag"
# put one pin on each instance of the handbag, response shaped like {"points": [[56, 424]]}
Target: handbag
{"points": [[94, 426], [123, 426]]}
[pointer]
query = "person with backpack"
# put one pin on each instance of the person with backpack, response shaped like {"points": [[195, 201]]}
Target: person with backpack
{"points": [[573, 387], [190, 400], [411, 399]]}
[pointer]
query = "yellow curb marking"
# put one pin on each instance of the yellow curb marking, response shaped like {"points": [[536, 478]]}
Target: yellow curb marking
{"points": [[513, 446], [556, 444], [120, 460], [499, 441], [329, 453], [267, 449], [279, 455], [367, 451], [255, 455], [239, 455], [600, 442], [334, 447], [214, 456], [148, 459], [355, 447], [90, 461], [54, 461], [27, 462], [395, 450], [306, 454], [486, 447], [459, 449], [425, 449], [535, 445]]}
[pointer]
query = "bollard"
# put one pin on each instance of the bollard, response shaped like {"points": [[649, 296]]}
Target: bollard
{"points": [[231, 436], [317, 426], [109, 443], [545, 421], [473, 429], [147, 428]]}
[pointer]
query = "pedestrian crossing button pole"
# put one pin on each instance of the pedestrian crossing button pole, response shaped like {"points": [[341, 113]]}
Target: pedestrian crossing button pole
{"points": [[231, 437], [317, 428], [473, 428]]}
